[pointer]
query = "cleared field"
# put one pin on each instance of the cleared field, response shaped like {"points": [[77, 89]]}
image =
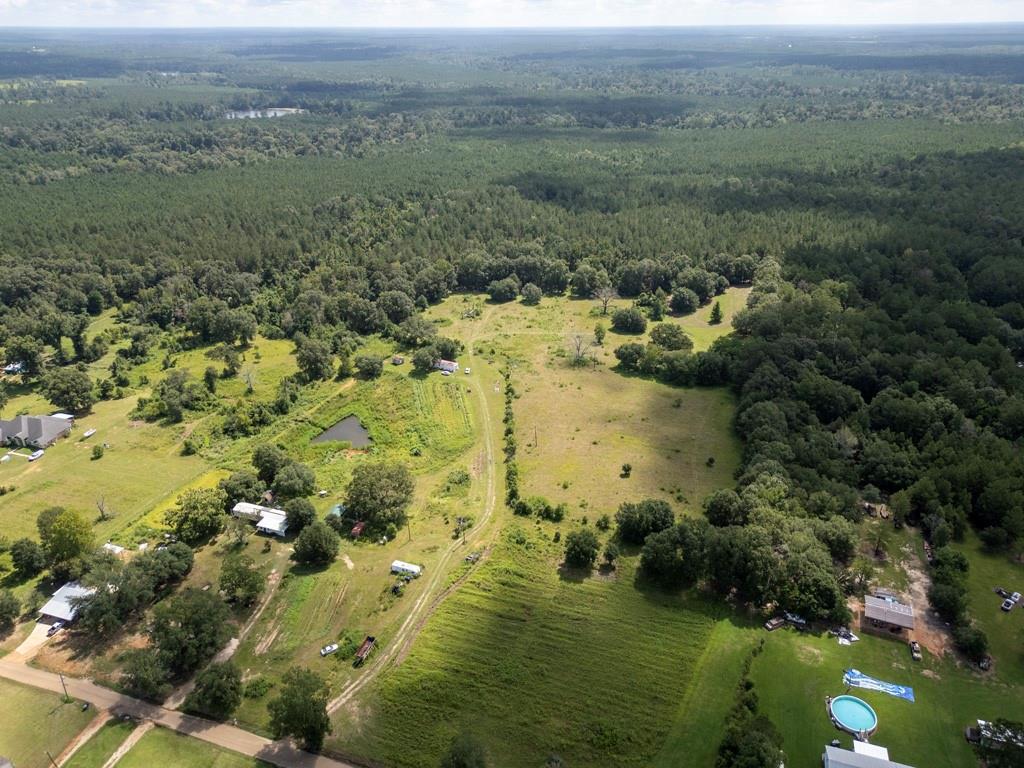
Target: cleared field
{"points": [[95, 752], [141, 467], [536, 664], [796, 672], [43, 724], [1005, 630], [168, 749], [577, 427]]}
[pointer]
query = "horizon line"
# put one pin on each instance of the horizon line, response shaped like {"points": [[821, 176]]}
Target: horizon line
{"points": [[521, 28]]}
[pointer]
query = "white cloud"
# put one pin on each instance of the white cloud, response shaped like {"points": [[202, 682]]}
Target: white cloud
{"points": [[497, 13]]}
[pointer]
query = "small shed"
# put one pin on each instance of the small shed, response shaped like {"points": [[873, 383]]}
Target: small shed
{"points": [[397, 360], [403, 568], [888, 615], [61, 606], [357, 530], [273, 522]]}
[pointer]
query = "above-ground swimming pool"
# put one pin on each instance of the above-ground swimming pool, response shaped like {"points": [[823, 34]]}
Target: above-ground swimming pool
{"points": [[853, 715]]}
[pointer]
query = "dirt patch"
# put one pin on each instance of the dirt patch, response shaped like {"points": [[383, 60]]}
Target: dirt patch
{"points": [[929, 630], [348, 562], [808, 654], [931, 673]]}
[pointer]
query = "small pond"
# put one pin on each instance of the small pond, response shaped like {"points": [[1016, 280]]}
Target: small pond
{"points": [[350, 429]]}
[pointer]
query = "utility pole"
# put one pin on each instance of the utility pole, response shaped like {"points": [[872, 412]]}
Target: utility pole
{"points": [[54, 762], [64, 685]]}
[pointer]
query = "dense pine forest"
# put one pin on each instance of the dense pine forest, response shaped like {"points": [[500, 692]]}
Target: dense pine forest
{"points": [[871, 195]]}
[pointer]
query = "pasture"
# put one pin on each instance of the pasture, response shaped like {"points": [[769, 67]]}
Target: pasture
{"points": [[43, 723], [167, 749], [536, 662]]}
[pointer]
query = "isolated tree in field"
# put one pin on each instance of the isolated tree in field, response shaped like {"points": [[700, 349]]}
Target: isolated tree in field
{"points": [[314, 358], [379, 493], [241, 486], [716, 314], [635, 522], [671, 337], [300, 709], [218, 691], [465, 752], [198, 514], [69, 389], [239, 580], [299, 513], [504, 290], [532, 295], [599, 333], [189, 629], [370, 366], [268, 460], [293, 481], [684, 301], [27, 557], [66, 540], [611, 554], [580, 348], [10, 609], [423, 359], [605, 295], [629, 320], [317, 544], [581, 548], [143, 675]]}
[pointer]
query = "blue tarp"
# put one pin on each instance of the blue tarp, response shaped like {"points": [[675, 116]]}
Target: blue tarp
{"points": [[857, 679]]}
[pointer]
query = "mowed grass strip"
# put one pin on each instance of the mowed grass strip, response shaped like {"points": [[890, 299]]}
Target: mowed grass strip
{"points": [[35, 722], [168, 749], [95, 752], [592, 670]]}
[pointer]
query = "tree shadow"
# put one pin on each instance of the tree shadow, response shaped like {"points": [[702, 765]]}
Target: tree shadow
{"points": [[572, 574]]}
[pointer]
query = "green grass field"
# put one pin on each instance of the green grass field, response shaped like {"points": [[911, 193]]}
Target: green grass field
{"points": [[1005, 630], [592, 669], [95, 752], [36, 722], [796, 672], [168, 749]]}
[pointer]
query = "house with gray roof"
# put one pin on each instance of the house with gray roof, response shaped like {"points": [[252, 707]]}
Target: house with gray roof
{"points": [[63, 606], [33, 431]]}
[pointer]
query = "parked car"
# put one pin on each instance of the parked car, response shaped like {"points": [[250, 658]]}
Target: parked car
{"points": [[1007, 605], [774, 623], [327, 650], [985, 664], [36, 455], [915, 650], [797, 621], [467, 371], [1002, 592], [1015, 597], [56, 627]]}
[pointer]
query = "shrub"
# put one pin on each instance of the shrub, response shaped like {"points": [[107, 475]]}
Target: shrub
{"points": [[581, 548], [629, 320]]}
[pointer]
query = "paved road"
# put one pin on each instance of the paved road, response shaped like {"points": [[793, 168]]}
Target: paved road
{"points": [[226, 736]]}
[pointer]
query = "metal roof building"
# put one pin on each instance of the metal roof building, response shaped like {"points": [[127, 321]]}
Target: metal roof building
{"points": [[864, 756], [888, 611], [60, 605], [273, 522]]}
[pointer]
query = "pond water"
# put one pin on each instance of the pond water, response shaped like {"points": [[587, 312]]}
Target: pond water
{"points": [[350, 429], [250, 114]]}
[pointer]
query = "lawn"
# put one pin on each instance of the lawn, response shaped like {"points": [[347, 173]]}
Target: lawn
{"points": [[95, 752], [168, 749], [43, 723], [1005, 630], [796, 672], [141, 466], [536, 662]]}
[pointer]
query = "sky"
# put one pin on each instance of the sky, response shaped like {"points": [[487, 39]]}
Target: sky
{"points": [[498, 13]]}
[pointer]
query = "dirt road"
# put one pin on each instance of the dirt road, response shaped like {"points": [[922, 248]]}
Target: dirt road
{"points": [[398, 647], [276, 752]]}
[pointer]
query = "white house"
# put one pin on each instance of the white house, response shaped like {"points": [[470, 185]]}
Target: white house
{"points": [[403, 568], [60, 607], [252, 512], [273, 522], [864, 755]]}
